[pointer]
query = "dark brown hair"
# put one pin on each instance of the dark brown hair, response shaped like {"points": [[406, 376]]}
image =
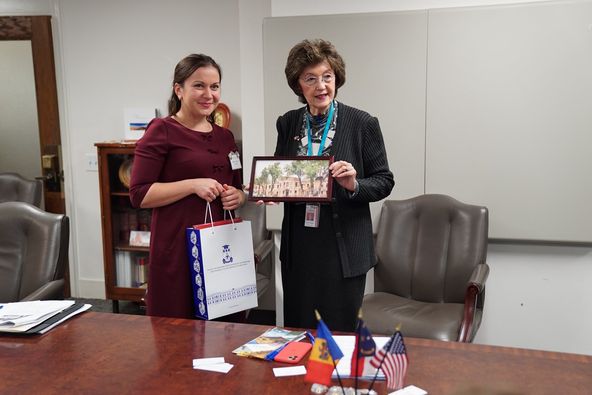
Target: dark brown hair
{"points": [[183, 70], [310, 53]]}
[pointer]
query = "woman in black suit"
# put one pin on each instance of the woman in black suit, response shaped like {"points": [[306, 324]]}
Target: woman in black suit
{"points": [[324, 266]]}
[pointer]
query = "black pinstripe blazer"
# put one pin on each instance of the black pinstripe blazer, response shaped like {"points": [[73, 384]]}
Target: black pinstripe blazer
{"points": [[358, 140]]}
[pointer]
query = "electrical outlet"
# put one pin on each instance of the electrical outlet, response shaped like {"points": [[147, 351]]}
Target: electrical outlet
{"points": [[92, 163]]}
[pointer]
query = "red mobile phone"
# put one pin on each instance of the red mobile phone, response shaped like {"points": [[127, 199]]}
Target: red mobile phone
{"points": [[293, 352]]}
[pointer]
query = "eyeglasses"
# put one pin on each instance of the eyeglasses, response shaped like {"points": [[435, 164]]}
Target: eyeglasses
{"points": [[311, 80]]}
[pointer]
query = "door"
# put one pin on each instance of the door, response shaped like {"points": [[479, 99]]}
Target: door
{"points": [[37, 29]]}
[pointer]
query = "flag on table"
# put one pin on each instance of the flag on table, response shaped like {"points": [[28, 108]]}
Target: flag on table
{"points": [[392, 360], [324, 356], [364, 349]]}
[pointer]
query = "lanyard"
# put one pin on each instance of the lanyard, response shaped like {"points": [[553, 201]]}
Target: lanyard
{"points": [[325, 132]]}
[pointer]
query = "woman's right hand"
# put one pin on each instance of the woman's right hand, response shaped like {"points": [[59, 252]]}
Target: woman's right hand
{"points": [[208, 189]]}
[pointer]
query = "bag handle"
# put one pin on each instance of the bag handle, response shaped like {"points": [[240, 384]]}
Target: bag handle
{"points": [[209, 211], [229, 214]]}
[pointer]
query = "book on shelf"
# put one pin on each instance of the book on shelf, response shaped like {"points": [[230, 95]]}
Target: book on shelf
{"points": [[123, 269], [269, 343]]}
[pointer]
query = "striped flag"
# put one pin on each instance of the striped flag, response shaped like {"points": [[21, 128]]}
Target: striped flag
{"points": [[392, 360], [364, 349], [324, 356]]}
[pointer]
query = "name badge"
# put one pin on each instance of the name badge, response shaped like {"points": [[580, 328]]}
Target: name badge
{"points": [[311, 215], [304, 141], [235, 163]]}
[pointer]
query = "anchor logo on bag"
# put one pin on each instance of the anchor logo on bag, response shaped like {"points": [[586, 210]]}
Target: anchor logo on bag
{"points": [[226, 257]]}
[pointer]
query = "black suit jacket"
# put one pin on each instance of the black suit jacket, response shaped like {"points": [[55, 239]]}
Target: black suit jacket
{"points": [[358, 140]]}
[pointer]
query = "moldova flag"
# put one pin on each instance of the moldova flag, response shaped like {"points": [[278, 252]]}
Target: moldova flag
{"points": [[324, 356]]}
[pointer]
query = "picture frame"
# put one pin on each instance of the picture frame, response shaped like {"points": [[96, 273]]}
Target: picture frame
{"points": [[291, 179]]}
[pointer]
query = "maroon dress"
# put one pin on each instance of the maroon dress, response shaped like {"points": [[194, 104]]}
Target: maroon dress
{"points": [[170, 152]]}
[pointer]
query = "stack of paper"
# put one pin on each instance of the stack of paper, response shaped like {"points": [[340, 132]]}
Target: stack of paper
{"points": [[37, 316]]}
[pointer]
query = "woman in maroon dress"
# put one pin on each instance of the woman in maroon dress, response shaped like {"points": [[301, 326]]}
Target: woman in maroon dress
{"points": [[182, 162]]}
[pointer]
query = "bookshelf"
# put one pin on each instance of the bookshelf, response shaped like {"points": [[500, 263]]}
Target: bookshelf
{"points": [[125, 266]]}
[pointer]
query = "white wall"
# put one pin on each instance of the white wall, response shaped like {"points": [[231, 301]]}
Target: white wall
{"points": [[113, 54], [119, 54], [537, 296]]}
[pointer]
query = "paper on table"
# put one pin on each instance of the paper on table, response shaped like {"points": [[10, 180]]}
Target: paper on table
{"points": [[213, 364], [21, 314], [289, 371], [409, 390], [207, 361], [80, 310], [216, 367]]}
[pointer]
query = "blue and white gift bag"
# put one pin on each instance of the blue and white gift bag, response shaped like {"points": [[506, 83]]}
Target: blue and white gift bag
{"points": [[222, 268]]}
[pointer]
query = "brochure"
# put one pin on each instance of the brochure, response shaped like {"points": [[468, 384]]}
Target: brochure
{"points": [[269, 342]]}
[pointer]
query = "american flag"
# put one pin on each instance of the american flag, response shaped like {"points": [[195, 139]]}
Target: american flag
{"points": [[392, 360]]}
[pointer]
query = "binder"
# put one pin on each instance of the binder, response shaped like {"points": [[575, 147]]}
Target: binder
{"points": [[55, 320]]}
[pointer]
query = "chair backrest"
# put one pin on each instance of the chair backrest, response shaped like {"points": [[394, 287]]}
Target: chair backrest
{"points": [[427, 247], [14, 188], [33, 249]]}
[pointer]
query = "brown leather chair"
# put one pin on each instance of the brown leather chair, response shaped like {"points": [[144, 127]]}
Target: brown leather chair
{"points": [[14, 188], [431, 270], [33, 253]]}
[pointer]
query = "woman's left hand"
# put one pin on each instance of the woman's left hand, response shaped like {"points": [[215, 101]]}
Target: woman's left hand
{"points": [[232, 198], [344, 173]]}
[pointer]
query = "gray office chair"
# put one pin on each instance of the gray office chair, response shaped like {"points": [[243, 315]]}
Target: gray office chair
{"points": [[33, 253], [14, 188], [431, 270]]}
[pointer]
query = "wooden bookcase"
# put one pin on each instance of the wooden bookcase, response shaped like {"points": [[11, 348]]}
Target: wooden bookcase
{"points": [[125, 266]]}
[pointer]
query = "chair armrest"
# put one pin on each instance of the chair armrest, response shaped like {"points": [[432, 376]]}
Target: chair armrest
{"points": [[479, 276], [53, 290], [475, 286], [262, 250]]}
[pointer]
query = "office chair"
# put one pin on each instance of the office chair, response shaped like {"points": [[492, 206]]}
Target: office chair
{"points": [[431, 270], [15, 188], [33, 253]]}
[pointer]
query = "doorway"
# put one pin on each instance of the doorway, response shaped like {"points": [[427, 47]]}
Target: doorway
{"points": [[37, 30]]}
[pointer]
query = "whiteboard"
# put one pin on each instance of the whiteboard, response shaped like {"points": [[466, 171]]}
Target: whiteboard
{"points": [[491, 105], [385, 56], [509, 116]]}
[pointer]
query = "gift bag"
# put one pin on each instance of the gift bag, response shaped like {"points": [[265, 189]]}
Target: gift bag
{"points": [[222, 267]]}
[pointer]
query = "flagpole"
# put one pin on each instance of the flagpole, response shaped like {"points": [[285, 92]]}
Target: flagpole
{"points": [[356, 349], [378, 368], [333, 360], [397, 329]]}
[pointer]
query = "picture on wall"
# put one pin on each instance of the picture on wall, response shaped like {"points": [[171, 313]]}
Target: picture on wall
{"points": [[301, 179]]}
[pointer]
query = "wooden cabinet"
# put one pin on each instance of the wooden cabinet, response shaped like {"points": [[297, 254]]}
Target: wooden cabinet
{"points": [[125, 266]]}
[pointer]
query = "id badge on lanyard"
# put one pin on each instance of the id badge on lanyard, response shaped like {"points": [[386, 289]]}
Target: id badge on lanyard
{"points": [[312, 213]]}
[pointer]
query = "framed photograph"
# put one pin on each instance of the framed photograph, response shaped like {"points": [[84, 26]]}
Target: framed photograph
{"points": [[291, 179]]}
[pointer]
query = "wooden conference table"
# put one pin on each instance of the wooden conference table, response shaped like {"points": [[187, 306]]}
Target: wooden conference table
{"points": [[100, 353]]}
